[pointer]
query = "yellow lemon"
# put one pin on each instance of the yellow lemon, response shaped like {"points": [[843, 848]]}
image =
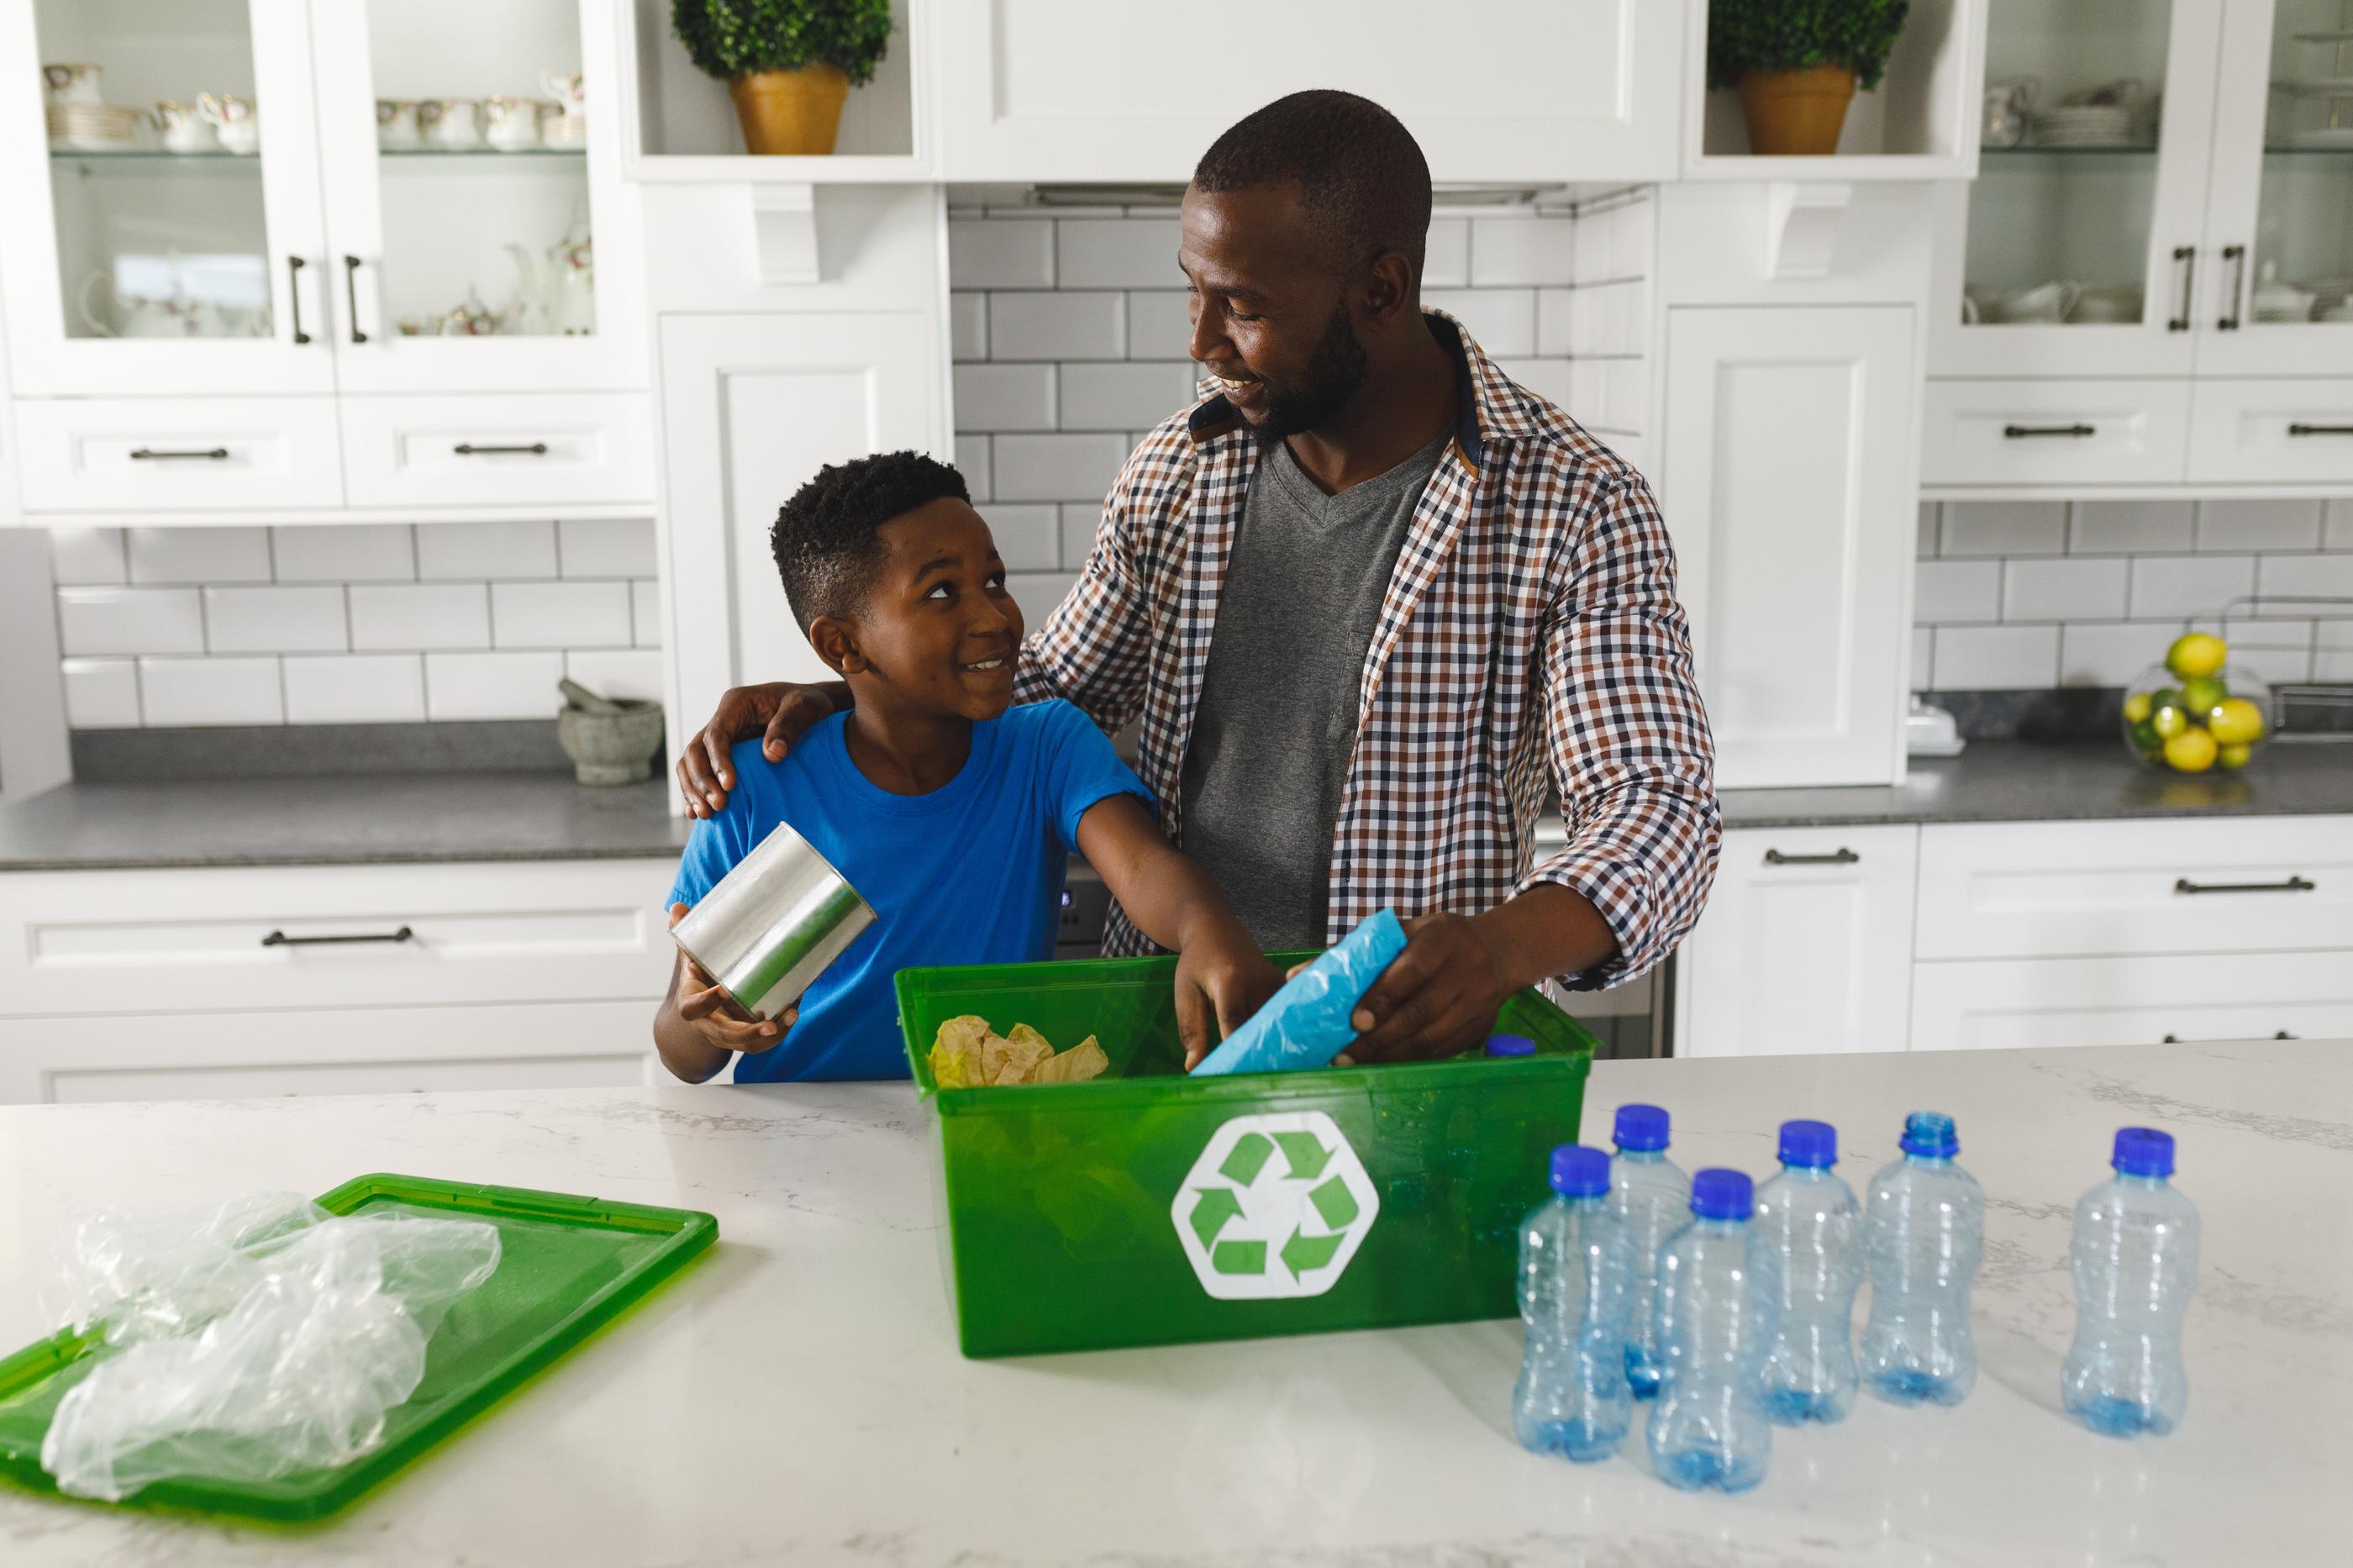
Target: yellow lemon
{"points": [[2190, 751], [2136, 707], [2196, 654], [2234, 757], [2236, 722], [2170, 721]]}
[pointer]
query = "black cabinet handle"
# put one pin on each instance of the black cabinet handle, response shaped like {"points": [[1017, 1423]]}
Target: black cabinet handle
{"points": [[2320, 429], [352, 296], [279, 938], [2022, 432], [468, 449], [2186, 260], [151, 455], [2278, 1035], [1840, 857], [294, 296], [2293, 885], [2237, 256]]}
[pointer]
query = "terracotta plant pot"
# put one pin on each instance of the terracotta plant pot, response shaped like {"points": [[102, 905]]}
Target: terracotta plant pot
{"points": [[794, 113], [1799, 112]]}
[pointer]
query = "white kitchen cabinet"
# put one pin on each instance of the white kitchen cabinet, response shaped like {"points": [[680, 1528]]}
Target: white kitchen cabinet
{"points": [[102, 455], [1788, 484], [2273, 431], [2071, 432], [751, 408], [1493, 90], [549, 449], [1805, 946], [2003, 1005]]}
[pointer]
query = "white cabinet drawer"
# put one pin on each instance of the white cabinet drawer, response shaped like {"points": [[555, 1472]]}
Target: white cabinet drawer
{"points": [[2273, 432], [2006, 1005], [503, 449], [361, 1050], [189, 941], [2054, 432], [2050, 889], [178, 454]]}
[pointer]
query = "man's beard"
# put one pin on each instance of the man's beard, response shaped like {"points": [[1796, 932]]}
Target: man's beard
{"points": [[1334, 371]]}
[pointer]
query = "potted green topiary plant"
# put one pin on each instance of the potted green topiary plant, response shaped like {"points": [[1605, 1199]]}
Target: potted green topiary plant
{"points": [[788, 64], [1797, 63]]}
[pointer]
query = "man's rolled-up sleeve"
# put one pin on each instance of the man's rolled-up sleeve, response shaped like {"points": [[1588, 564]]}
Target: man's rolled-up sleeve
{"points": [[1630, 752]]}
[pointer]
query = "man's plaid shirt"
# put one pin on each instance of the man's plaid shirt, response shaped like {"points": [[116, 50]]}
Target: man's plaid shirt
{"points": [[1530, 624]]}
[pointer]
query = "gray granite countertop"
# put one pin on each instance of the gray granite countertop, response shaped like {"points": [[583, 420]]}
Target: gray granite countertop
{"points": [[336, 821]]}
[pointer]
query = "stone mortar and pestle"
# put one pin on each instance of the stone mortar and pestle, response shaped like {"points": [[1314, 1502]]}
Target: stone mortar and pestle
{"points": [[610, 742]]}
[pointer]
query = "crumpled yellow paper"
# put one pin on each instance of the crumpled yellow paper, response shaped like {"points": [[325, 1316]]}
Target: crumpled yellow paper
{"points": [[966, 1052]]}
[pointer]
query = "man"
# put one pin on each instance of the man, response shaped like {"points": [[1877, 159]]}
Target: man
{"points": [[1361, 596]]}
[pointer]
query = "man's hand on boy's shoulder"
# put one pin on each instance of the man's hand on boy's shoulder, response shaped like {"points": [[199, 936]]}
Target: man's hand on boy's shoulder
{"points": [[779, 712], [1224, 980]]}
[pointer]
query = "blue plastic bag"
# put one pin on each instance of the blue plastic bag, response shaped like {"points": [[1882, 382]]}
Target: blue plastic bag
{"points": [[1306, 1023]]}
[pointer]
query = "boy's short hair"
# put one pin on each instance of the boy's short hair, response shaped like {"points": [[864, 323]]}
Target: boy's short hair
{"points": [[828, 541]]}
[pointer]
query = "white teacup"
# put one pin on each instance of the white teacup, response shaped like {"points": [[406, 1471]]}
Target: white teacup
{"points": [[186, 128], [511, 124], [2043, 302], [78, 84], [396, 129], [568, 89], [450, 122], [234, 118], [2115, 303]]}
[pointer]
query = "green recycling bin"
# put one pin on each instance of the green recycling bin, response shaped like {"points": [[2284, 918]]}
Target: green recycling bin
{"points": [[1147, 1207]]}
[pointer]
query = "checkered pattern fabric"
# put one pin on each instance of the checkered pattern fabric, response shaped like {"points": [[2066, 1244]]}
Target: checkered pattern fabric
{"points": [[1530, 624]]}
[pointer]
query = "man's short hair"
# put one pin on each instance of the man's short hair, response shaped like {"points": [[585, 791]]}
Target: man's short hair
{"points": [[828, 539], [1361, 173]]}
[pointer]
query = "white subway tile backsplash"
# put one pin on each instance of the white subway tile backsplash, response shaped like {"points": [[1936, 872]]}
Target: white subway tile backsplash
{"points": [[2274, 650], [1590, 248], [2285, 576], [1057, 468], [1115, 252], [128, 620], [619, 674], [645, 614], [479, 549], [2111, 654], [607, 547], [1550, 379], [1005, 396], [972, 460], [2083, 590], [1501, 320], [1039, 592], [1924, 546], [1629, 392], [344, 553], [1027, 535], [1126, 396], [1630, 231], [1160, 324], [1080, 521], [968, 326], [275, 620], [1588, 392], [1555, 313], [1446, 254], [354, 689], [419, 615], [560, 615], [1924, 659], [1946, 592], [1972, 659], [101, 693], [988, 253], [2187, 585], [191, 691], [87, 555], [1057, 326], [1508, 252], [2130, 527], [2332, 657], [1630, 449], [492, 684], [2005, 528], [2243, 525], [199, 554], [2340, 525]]}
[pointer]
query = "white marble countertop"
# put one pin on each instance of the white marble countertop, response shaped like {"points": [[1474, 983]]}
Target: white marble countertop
{"points": [[795, 1397]]}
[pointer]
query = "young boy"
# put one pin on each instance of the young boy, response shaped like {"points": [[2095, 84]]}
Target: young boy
{"points": [[951, 810]]}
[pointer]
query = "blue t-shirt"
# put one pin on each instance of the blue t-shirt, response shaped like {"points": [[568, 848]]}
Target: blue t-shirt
{"points": [[971, 873]]}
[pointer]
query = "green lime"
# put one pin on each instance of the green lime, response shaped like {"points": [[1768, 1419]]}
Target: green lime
{"points": [[2202, 694], [2145, 739], [2136, 707], [2170, 719], [2234, 757]]}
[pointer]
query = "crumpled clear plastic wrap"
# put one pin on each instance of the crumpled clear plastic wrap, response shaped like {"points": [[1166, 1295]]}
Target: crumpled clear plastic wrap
{"points": [[249, 1342], [1306, 1023]]}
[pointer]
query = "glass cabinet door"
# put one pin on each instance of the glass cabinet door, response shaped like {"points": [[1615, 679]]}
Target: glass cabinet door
{"points": [[2084, 223], [176, 242], [467, 172]]}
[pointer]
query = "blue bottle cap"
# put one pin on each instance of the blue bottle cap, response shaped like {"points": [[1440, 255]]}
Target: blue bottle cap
{"points": [[1813, 1144], [1643, 1127], [1931, 1135], [1509, 1045], [2143, 1151], [1578, 1172], [1718, 1194]]}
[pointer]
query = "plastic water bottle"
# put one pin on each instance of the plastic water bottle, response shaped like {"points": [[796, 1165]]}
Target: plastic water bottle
{"points": [[1923, 1232], [2135, 1256], [1717, 1302], [1652, 1194], [1576, 1269], [1808, 1221]]}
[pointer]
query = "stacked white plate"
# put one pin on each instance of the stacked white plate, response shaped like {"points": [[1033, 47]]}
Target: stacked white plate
{"points": [[94, 127], [2085, 125]]}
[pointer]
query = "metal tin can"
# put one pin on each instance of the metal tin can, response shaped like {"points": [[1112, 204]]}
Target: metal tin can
{"points": [[773, 923]]}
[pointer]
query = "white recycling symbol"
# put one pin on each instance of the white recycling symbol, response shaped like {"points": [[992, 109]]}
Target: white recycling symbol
{"points": [[1275, 1207]]}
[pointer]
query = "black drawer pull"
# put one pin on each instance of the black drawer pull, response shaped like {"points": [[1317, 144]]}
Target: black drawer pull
{"points": [[2236, 255], [150, 455], [1840, 857], [294, 265], [2023, 432], [2320, 429], [2185, 261], [2293, 885], [468, 449], [352, 296], [279, 938], [2176, 1040]]}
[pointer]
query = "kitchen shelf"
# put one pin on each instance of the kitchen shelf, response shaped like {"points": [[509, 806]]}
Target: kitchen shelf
{"points": [[2136, 150], [482, 154]]}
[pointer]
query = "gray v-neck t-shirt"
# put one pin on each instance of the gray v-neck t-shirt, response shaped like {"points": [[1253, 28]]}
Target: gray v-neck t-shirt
{"points": [[1277, 716]]}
